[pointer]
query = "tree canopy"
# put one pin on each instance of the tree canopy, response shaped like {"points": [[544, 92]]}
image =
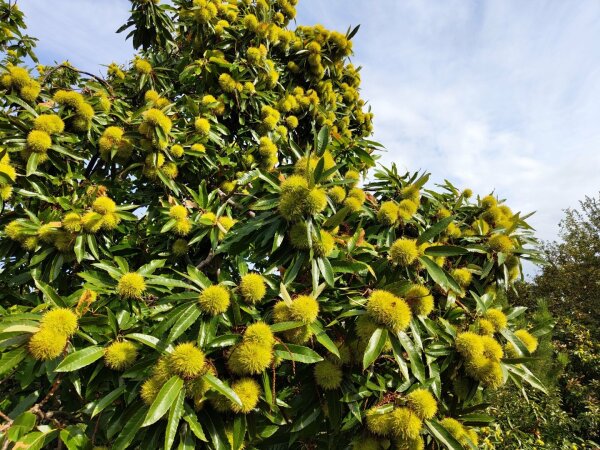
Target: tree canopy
{"points": [[194, 252], [571, 279]]}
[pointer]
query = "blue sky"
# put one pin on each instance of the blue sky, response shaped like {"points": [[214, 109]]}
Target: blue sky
{"points": [[498, 95]]}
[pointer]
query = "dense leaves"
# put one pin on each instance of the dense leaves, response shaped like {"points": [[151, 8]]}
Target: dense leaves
{"points": [[189, 257], [568, 292]]}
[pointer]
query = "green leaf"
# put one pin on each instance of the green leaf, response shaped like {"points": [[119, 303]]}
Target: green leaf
{"points": [[323, 339], [397, 350], [93, 245], [216, 431], [186, 320], [74, 437], [167, 226], [336, 219], [416, 364], [10, 360], [326, 270], [434, 230], [163, 401], [32, 164], [306, 419], [150, 268], [438, 275], [476, 419], [127, 433], [375, 346], [293, 269], [225, 340], [353, 32], [315, 274], [40, 256], [114, 272], [186, 440], [192, 421], [35, 440], [151, 341], [543, 328], [516, 312], [79, 248], [222, 388], [173, 421], [80, 358], [318, 172], [167, 282], [284, 326], [107, 400], [322, 140], [446, 250], [514, 340], [297, 353], [56, 266], [525, 374], [442, 435], [50, 294], [22, 425], [239, 431], [198, 277]]}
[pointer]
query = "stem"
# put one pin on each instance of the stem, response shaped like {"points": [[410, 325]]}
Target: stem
{"points": [[206, 261], [65, 66]]}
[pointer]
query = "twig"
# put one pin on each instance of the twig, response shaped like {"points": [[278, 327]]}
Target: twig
{"points": [[83, 72], [206, 261], [51, 392], [290, 352], [8, 423], [96, 429]]}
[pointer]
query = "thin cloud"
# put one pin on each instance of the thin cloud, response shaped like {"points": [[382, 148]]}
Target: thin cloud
{"points": [[499, 95]]}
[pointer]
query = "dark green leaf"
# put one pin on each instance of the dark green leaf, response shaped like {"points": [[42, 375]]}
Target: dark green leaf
{"points": [[173, 421], [434, 230], [163, 401], [297, 353], [107, 400], [323, 339], [192, 421], [222, 388], [375, 346], [322, 140], [416, 363], [129, 430], [445, 250], [80, 358], [10, 360], [442, 435], [326, 270]]}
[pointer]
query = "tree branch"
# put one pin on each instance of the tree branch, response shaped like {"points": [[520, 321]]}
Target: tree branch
{"points": [[83, 72], [206, 261]]}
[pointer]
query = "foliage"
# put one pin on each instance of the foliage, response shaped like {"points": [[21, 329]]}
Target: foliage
{"points": [[137, 205], [570, 356], [570, 282]]}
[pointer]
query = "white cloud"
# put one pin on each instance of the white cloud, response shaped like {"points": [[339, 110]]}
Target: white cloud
{"points": [[499, 95], [81, 31]]}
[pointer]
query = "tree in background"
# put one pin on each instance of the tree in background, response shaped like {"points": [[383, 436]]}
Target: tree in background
{"points": [[568, 293], [188, 256], [571, 284], [571, 280]]}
